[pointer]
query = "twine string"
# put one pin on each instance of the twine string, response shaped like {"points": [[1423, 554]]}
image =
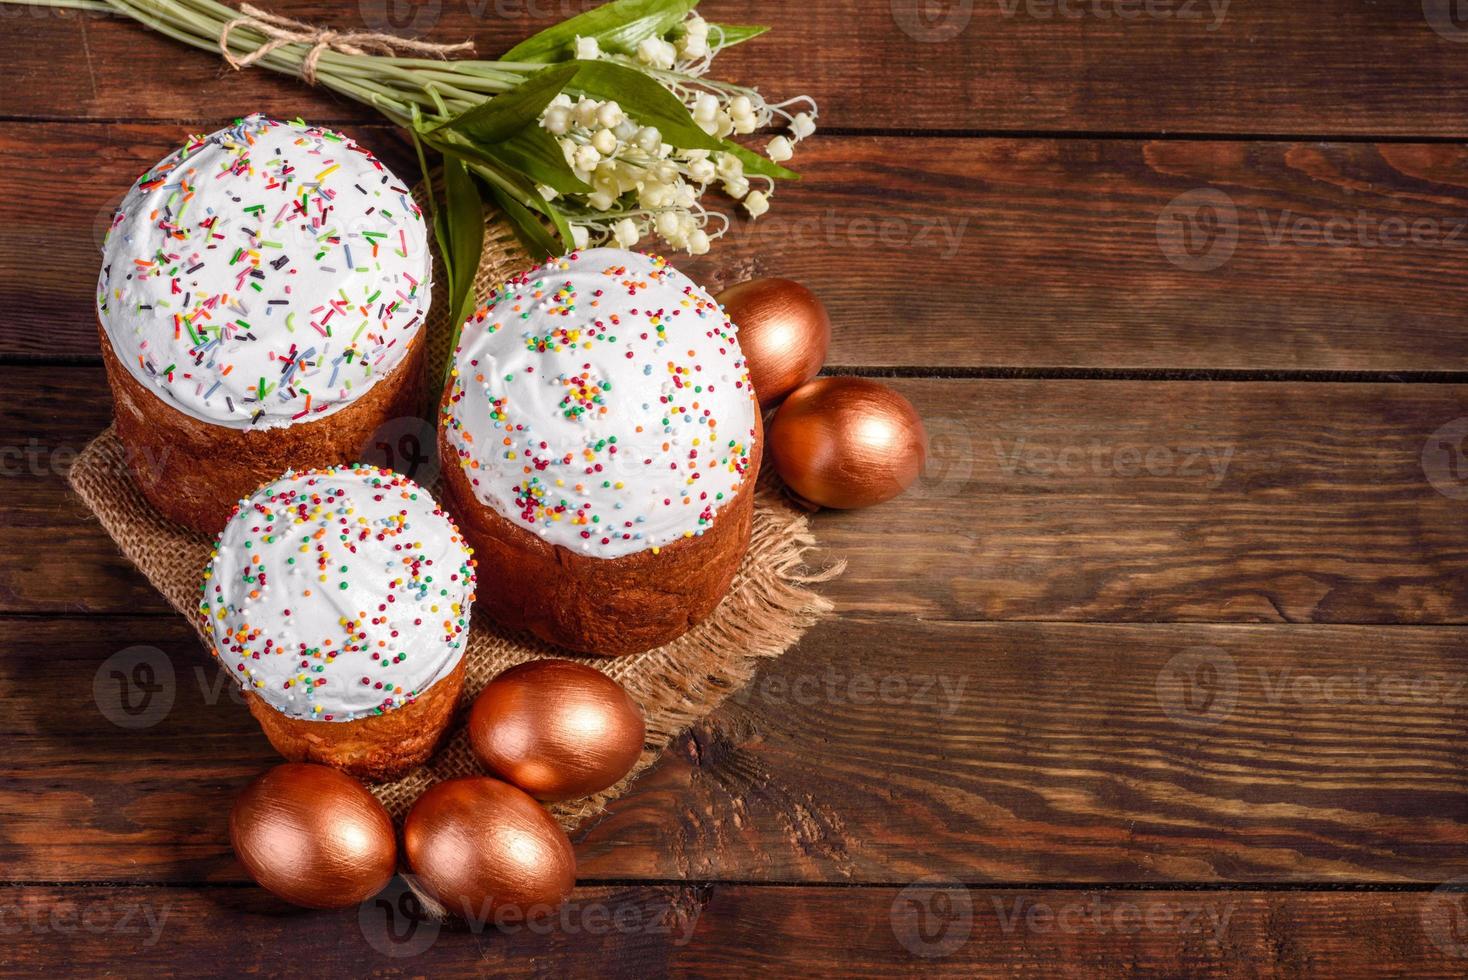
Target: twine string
{"points": [[280, 31]]}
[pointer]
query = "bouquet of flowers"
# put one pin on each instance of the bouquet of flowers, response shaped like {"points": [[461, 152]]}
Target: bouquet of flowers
{"points": [[605, 128]]}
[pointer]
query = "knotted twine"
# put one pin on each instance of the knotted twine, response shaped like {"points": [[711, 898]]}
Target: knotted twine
{"points": [[284, 30]]}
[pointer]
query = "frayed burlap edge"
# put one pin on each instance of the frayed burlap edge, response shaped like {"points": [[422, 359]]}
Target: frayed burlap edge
{"points": [[767, 610]]}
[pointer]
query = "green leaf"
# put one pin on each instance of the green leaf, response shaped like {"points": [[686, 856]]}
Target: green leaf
{"points": [[756, 164], [522, 190], [563, 227], [617, 26], [733, 34], [532, 234], [644, 100], [433, 216], [463, 228], [535, 153], [649, 103], [505, 115]]}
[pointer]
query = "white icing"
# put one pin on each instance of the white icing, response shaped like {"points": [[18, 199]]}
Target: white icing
{"points": [[267, 274], [575, 417], [337, 594]]}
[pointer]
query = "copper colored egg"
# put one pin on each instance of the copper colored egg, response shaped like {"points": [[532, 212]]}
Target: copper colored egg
{"points": [[480, 846], [556, 729], [784, 332], [847, 442], [313, 836]]}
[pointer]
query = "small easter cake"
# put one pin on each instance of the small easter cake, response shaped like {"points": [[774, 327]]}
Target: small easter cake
{"points": [[607, 441], [339, 600], [261, 306]]}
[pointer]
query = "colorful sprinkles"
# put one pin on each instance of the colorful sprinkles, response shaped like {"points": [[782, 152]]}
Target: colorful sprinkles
{"points": [[254, 278], [602, 401], [337, 594]]}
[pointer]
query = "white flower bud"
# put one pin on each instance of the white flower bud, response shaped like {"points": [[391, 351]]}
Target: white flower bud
{"points": [[656, 53], [740, 106], [693, 48], [562, 99], [730, 166], [655, 195], [736, 187], [664, 172], [745, 124], [669, 226], [649, 139], [684, 195], [696, 26], [802, 125], [756, 203], [586, 111], [568, 150], [580, 236], [780, 149], [605, 142], [702, 171], [626, 130], [601, 200], [706, 107], [587, 157], [710, 126], [726, 125], [626, 233], [549, 193], [557, 120], [698, 243], [587, 49], [609, 115]]}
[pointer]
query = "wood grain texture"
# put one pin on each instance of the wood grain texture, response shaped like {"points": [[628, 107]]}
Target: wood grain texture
{"points": [[929, 931], [1045, 500], [880, 750], [1095, 65], [1007, 253]]}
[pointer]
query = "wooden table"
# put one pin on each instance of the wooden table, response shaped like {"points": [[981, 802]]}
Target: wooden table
{"points": [[1160, 670]]}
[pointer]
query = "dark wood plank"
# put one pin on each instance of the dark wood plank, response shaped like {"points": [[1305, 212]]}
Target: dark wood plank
{"points": [[928, 930], [965, 253], [1047, 500], [878, 751], [1206, 66]]}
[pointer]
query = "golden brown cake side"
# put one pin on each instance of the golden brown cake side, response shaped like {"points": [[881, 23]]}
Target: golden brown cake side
{"points": [[602, 606], [194, 473], [377, 748]]}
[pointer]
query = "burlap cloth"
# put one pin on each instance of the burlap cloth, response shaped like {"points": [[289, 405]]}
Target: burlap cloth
{"points": [[766, 611]]}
